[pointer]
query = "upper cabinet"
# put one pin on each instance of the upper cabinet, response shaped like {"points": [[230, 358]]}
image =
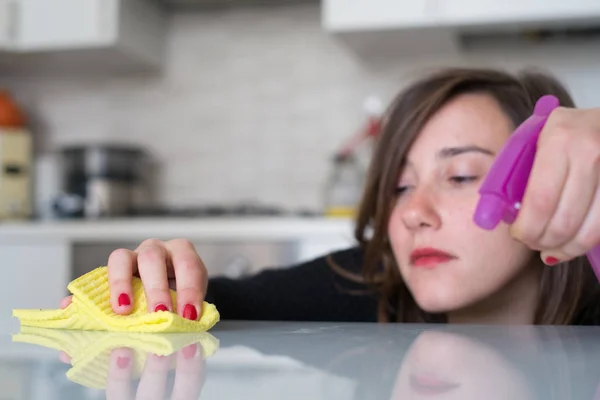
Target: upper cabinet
{"points": [[81, 35], [356, 15], [390, 27], [6, 11], [361, 14], [64, 24], [531, 12]]}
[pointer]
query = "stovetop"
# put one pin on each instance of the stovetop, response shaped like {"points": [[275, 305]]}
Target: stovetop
{"points": [[216, 210]]}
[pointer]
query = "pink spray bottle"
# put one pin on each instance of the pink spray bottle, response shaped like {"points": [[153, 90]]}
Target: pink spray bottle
{"points": [[504, 186]]}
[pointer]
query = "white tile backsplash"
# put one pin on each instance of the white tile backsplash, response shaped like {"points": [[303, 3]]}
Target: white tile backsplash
{"points": [[252, 103]]}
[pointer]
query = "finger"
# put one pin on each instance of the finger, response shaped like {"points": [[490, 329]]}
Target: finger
{"points": [[153, 383], [64, 357], [542, 194], [118, 382], [152, 265], [190, 373], [585, 240], [574, 204], [65, 302], [190, 274], [121, 266]]}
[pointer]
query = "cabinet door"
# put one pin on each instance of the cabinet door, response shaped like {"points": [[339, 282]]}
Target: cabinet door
{"points": [[514, 11], [64, 24], [35, 275], [7, 8], [375, 14]]}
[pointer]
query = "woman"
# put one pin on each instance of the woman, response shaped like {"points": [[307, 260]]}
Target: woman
{"points": [[424, 260]]}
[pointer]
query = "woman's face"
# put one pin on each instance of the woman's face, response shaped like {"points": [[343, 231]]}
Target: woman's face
{"points": [[447, 261]]}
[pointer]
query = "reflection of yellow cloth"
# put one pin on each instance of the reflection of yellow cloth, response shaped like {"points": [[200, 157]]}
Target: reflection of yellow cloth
{"points": [[91, 310], [90, 351]]}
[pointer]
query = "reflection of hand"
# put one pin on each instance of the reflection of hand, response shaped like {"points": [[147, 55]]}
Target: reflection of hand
{"points": [[445, 365], [189, 374]]}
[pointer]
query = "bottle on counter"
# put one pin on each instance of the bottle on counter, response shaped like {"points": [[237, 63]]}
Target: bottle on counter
{"points": [[346, 181], [15, 161], [344, 186]]}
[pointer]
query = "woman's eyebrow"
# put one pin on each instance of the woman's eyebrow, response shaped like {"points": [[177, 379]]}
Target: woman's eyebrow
{"points": [[454, 151]]}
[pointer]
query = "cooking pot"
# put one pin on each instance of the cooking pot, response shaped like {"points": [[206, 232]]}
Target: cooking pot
{"points": [[102, 180]]}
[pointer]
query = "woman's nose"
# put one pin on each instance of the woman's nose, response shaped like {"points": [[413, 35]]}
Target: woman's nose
{"points": [[420, 210]]}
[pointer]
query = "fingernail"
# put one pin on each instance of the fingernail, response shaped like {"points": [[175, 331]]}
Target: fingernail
{"points": [[122, 362], [124, 299], [189, 351], [160, 307], [552, 260], [189, 312], [64, 357]]}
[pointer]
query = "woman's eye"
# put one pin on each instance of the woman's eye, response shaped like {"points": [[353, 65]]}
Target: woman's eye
{"points": [[463, 179], [400, 190]]}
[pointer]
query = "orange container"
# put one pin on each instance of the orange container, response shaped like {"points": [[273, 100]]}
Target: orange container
{"points": [[11, 115]]}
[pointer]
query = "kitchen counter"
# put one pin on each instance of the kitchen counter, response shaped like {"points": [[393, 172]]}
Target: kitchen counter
{"points": [[39, 259], [215, 228], [270, 360]]}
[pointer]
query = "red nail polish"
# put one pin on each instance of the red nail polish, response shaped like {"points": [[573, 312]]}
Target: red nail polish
{"points": [[124, 299], [160, 307], [189, 312], [552, 260], [122, 362]]}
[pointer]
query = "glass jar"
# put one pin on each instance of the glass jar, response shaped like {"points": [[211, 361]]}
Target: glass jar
{"points": [[344, 187]]}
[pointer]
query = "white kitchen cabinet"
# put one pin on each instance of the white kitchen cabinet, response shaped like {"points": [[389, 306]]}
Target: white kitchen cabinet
{"points": [[82, 35], [387, 28], [408, 29], [6, 23], [64, 24], [530, 12], [379, 15], [340, 15], [34, 275]]}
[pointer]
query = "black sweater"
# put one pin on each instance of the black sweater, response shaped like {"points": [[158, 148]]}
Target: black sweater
{"points": [[312, 291]]}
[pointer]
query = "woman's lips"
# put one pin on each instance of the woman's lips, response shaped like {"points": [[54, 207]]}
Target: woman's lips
{"points": [[429, 257], [430, 385]]}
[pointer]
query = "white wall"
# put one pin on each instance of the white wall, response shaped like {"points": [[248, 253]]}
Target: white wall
{"points": [[253, 103]]}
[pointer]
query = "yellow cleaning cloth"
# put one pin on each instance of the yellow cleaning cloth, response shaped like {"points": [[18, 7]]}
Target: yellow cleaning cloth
{"points": [[90, 350], [91, 310]]}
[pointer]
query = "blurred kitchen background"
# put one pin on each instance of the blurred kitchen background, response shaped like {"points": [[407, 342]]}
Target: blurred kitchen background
{"points": [[245, 126]]}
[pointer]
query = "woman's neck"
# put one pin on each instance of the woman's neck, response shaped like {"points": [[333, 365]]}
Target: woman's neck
{"points": [[514, 304]]}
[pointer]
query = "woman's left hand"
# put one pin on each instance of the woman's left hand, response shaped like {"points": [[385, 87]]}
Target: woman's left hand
{"points": [[560, 212]]}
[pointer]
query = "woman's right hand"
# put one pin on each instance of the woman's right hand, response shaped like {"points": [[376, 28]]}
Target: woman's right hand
{"points": [[122, 382], [156, 263]]}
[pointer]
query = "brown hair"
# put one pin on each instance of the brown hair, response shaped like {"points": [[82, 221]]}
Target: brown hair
{"points": [[565, 288]]}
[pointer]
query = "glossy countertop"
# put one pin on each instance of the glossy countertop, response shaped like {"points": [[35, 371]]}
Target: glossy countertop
{"points": [[272, 360]]}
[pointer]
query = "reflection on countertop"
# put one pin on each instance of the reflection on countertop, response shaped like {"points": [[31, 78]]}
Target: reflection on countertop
{"points": [[270, 360]]}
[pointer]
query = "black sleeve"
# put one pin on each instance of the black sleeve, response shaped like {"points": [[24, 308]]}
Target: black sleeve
{"points": [[311, 291]]}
